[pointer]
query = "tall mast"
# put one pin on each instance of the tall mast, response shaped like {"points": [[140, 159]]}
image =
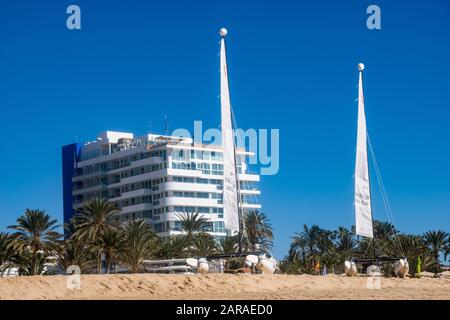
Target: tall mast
{"points": [[230, 188], [363, 200]]}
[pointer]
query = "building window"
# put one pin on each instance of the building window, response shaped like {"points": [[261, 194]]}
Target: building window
{"points": [[203, 195], [147, 214], [177, 226], [203, 209], [219, 226], [217, 196]]}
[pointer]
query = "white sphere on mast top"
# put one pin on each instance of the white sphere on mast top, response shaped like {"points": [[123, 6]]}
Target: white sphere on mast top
{"points": [[360, 66], [223, 32]]}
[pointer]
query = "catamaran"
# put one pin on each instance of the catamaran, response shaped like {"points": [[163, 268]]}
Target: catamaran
{"points": [[234, 218], [233, 215], [363, 198]]}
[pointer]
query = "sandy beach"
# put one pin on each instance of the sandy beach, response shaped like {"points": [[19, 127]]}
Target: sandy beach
{"points": [[222, 286]]}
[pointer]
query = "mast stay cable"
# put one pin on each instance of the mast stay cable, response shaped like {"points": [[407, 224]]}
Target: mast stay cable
{"points": [[254, 197], [384, 196]]}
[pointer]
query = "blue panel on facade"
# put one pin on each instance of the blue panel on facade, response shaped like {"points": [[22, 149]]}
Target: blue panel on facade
{"points": [[69, 161]]}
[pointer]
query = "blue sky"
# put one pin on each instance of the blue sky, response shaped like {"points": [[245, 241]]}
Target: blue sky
{"points": [[292, 66]]}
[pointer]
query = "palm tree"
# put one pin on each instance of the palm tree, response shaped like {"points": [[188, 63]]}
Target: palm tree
{"points": [[203, 245], [345, 244], [410, 246], [383, 230], [292, 264], [6, 248], [384, 233], [428, 262], [139, 242], [73, 252], [259, 233], [326, 253], [27, 264], [228, 245], [313, 245], [436, 242], [192, 223], [307, 239], [298, 249], [35, 231], [69, 229], [94, 221], [173, 247], [111, 242], [305, 243], [447, 249]]}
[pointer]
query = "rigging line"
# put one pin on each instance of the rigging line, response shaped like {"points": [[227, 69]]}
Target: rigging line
{"points": [[252, 196], [244, 234], [384, 195], [367, 248], [255, 196], [385, 198], [264, 229], [382, 189], [377, 171], [360, 242]]}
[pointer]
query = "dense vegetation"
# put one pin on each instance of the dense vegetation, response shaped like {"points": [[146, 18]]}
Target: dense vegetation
{"points": [[312, 249], [96, 243]]}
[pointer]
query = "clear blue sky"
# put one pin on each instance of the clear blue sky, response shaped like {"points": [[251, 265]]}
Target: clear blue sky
{"points": [[292, 67]]}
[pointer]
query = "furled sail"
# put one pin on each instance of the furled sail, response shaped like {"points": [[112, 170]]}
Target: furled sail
{"points": [[363, 208], [230, 203]]}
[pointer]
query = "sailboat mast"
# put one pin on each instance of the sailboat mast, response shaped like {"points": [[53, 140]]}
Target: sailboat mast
{"points": [[363, 197], [231, 195], [363, 194], [361, 68]]}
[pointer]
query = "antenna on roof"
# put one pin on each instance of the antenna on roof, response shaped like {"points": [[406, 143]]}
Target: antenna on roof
{"points": [[150, 127], [166, 125]]}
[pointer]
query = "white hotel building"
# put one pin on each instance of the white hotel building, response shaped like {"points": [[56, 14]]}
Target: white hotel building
{"points": [[155, 178], [159, 177]]}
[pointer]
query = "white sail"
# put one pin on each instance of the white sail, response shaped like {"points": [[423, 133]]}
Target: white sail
{"points": [[230, 203], [363, 208]]}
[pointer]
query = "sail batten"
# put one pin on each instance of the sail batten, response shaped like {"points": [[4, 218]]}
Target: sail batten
{"points": [[230, 203], [363, 206]]}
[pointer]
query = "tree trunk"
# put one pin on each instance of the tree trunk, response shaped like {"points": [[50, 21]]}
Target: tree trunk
{"points": [[99, 262], [108, 262], [436, 257], [304, 262], [33, 268]]}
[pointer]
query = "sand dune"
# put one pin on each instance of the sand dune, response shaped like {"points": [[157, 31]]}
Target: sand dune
{"points": [[222, 286]]}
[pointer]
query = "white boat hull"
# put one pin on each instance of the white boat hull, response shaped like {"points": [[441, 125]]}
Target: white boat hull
{"points": [[350, 269], [267, 265], [401, 268], [203, 266]]}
